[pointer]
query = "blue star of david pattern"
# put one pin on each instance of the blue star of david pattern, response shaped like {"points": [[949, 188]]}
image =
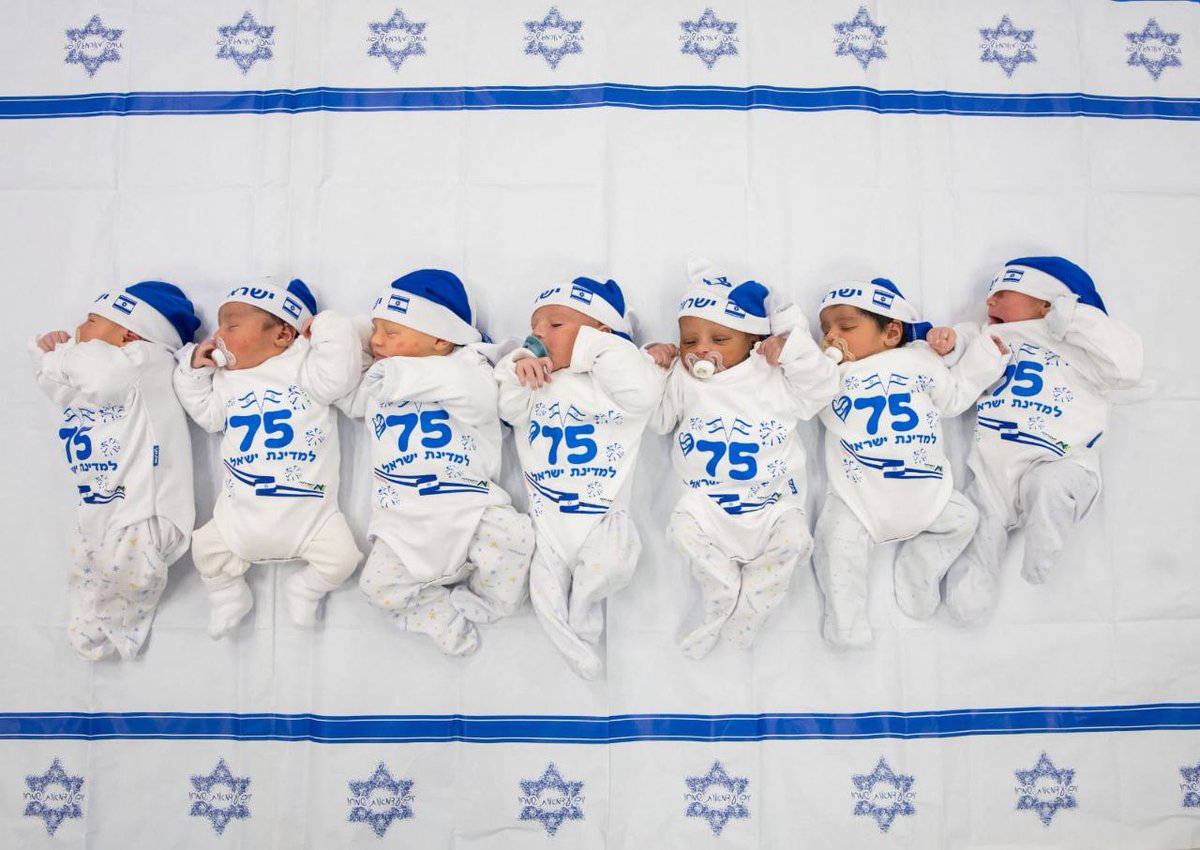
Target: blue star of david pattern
{"points": [[53, 816], [92, 60], [564, 31], [1021, 39], [884, 815], [1191, 775], [382, 780], [552, 780], [220, 816], [243, 58], [698, 38], [717, 817], [1046, 809], [860, 24], [1154, 49], [397, 24]]}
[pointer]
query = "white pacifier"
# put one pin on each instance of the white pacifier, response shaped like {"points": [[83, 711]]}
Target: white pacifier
{"points": [[837, 351], [704, 367], [221, 355]]}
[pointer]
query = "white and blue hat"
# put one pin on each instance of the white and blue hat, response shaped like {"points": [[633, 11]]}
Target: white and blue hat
{"points": [[153, 309], [883, 298], [294, 305], [431, 301], [1047, 278], [741, 307], [602, 301]]}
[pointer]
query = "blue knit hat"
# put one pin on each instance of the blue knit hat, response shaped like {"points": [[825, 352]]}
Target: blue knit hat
{"points": [[883, 298], [153, 309], [603, 302], [432, 301], [741, 307], [294, 305], [1048, 278]]}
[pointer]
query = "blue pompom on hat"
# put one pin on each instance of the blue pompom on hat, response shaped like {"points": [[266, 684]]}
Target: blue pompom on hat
{"points": [[883, 298], [153, 309], [432, 301], [603, 302], [1047, 278]]}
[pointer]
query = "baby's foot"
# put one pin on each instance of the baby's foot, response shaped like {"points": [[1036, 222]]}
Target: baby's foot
{"points": [[303, 600], [229, 606], [700, 642], [856, 637]]}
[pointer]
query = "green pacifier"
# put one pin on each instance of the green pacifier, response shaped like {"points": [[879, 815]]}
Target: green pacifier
{"points": [[535, 346]]}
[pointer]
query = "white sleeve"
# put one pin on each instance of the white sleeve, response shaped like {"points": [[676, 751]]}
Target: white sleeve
{"points": [[462, 383], [625, 373], [812, 379], [513, 400], [333, 365], [96, 369], [965, 334], [1113, 347], [959, 387], [670, 406], [194, 389], [354, 403], [59, 392]]}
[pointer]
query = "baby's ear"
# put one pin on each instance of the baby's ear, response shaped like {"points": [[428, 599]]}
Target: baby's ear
{"points": [[444, 345], [130, 336], [604, 329], [894, 335]]}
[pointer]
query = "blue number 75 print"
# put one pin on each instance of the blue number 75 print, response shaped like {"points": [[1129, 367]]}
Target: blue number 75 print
{"points": [[742, 464], [576, 437], [904, 418], [77, 443], [432, 425], [272, 422], [1025, 377]]}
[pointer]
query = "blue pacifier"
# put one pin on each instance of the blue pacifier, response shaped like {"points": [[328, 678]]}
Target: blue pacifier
{"points": [[535, 346]]}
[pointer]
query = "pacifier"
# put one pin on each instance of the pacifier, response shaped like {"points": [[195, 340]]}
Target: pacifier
{"points": [[706, 366], [535, 346], [221, 355], [837, 351]]}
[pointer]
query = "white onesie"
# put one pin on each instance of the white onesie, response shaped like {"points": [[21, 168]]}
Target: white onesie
{"points": [[741, 521], [578, 438], [126, 443], [891, 479], [449, 550], [278, 499], [1035, 460]]}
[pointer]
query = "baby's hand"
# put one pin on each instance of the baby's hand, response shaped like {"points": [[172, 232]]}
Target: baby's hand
{"points": [[202, 354], [941, 340], [1000, 344], [532, 372], [771, 348], [663, 353], [49, 341]]}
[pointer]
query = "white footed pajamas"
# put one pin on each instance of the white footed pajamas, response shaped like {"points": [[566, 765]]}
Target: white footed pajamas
{"points": [[126, 443], [278, 500], [1035, 460], [741, 522], [890, 480], [577, 439], [449, 551]]}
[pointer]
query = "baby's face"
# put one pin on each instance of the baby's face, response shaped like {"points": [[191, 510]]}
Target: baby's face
{"points": [[252, 336], [857, 333], [390, 339], [557, 326], [702, 338], [105, 330], [1006, 305]]}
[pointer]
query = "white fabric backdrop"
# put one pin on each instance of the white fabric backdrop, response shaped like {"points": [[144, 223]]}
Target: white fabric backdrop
{"points": [[516, 199]]}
